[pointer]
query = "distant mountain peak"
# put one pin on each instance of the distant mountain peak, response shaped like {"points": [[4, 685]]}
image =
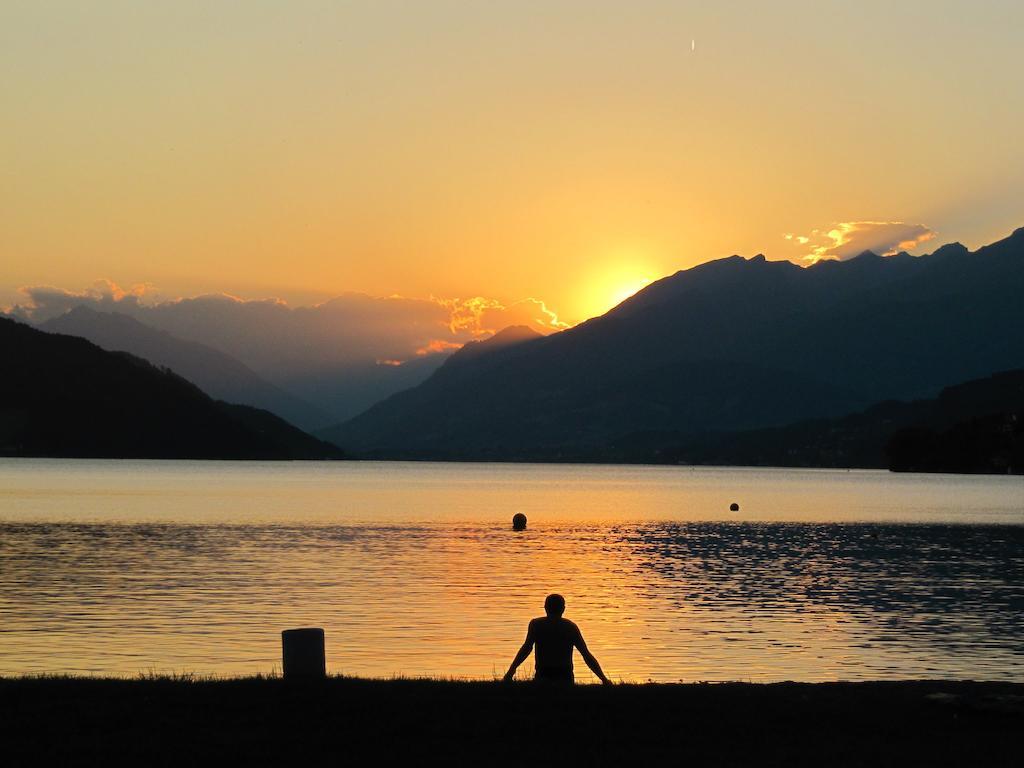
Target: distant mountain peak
{"points": [[950, 250], [81, 310], [503, 339], [513, 334], [83, 313]]}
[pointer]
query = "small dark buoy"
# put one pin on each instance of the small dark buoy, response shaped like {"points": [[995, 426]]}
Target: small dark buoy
{"points": [[302, 653], [734, 507], [518, 522]]}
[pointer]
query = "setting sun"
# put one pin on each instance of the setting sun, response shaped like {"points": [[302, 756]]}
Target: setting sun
{"points": [[612, 286], [626, 290]]}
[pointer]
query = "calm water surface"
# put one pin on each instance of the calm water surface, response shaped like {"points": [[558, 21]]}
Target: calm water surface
{"points": [[112, 567]]}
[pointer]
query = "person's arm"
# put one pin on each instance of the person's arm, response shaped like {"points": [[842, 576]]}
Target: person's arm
{"points": [[523, 655], [588, 657]]}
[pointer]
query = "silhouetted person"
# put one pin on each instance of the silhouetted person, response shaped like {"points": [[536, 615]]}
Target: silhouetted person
{"points": [[554, 638]]}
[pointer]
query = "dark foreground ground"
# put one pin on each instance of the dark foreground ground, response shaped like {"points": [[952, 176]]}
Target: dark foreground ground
{"points": [[358, 722]]}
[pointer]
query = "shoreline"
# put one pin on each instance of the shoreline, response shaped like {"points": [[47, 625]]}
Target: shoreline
{"points": [[176, 720], [519, 462]]}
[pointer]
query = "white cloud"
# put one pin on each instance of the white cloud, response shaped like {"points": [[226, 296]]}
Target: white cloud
{"points": [[847, 239]]}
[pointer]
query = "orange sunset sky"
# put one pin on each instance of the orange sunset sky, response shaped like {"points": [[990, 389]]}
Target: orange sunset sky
{"points": [[565, 151]]}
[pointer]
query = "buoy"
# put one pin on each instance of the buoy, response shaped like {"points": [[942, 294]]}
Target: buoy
{"points": [[302, 653], [734, 507], [518, 522]]}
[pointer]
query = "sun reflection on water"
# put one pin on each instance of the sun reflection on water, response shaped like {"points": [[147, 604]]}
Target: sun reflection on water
{"points": [[137, 583]]}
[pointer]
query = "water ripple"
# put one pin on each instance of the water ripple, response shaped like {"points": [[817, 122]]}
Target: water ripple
{"points": [[657, 600]]}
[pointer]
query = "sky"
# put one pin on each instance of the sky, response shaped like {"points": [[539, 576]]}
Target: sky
{"points": [[561, 153]]}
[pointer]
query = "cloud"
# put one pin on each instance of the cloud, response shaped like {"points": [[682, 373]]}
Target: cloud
{"points": [[480, 317], [348, 331], [483, 317], [45, 302], [848, 239], [435, 347]]}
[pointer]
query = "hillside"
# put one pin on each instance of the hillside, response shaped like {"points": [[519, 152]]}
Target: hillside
{"points": [[64, 396], [731, 345], [217, 374], [977, 426]]}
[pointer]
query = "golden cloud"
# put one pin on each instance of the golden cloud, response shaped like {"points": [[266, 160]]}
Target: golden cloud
{"points": [[847, 239], [480, 316]]}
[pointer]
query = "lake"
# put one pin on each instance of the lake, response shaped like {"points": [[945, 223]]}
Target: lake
{"points": [[121, 567]]}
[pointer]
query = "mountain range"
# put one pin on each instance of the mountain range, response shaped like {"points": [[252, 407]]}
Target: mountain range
{"points": [[314, 365], [216, 373], [62, 396], [731, 345], [976, 426]]}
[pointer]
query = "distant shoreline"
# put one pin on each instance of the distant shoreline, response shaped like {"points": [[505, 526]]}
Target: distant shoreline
{"points": [[542, 462], [272, 721]]}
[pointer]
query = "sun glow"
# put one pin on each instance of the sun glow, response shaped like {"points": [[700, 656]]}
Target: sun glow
{"points": [[623, 292], [614, 285]]}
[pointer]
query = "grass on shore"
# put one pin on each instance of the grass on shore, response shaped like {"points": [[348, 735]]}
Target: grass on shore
{"points": [[186, 719]]}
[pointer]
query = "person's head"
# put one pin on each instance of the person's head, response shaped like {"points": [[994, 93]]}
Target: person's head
{"points": [[554, 606]]}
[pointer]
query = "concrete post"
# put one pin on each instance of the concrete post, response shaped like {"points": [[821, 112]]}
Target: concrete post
{"points": [[302, 653]]}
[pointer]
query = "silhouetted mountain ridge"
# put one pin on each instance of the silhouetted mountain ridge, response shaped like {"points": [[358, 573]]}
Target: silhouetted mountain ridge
{"points": [[216, 373], [63, 396], [975, 426], [508, 337], [732, 344]]}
